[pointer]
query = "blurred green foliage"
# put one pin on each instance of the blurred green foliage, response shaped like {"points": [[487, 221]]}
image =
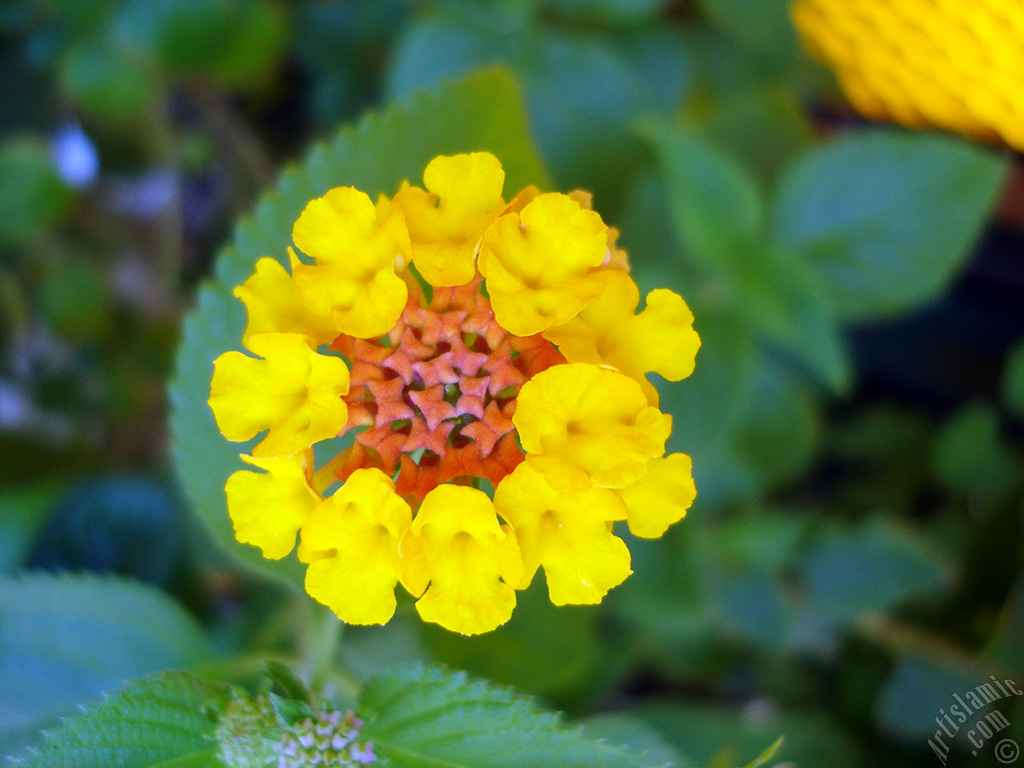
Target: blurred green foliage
{"points": [[854, 556]]}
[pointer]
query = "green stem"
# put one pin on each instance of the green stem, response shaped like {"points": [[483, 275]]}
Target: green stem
{"points": [[327, 631]]}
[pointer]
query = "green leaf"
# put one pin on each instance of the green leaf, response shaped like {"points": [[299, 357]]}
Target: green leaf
{"points": [[762, 26], [718, 212], [543, 649], [482, 112], [970, 457], [885, 217], [778, 443], [66, 639], [768, 754], [734, 737], [1013, 381], [633, 733], [911, 699], [158, 722], [92, 75], [872, 567], [33, 197], [586, 140], [428, 717], [25, 511]]}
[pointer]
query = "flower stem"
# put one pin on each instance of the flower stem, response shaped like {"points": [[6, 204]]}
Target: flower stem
{"points": [[327, 631]]}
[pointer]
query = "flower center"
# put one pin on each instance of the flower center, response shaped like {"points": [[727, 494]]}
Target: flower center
{"points": [[437, 394]]}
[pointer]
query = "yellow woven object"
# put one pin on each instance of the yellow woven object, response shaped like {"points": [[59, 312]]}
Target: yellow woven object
{"points": [[952, 64]]}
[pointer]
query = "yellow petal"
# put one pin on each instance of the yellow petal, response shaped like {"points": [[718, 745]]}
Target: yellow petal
{"points": [[470, 562], [582, 425], [274, 305], [446, 222], [356, 535], [293, 392], [567, 533], [356, 245], [607, 332], [267, 508], [661, 497], [538, 263]]}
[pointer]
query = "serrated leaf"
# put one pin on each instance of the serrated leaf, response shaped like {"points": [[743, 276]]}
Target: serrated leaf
{"points": [[886, 217], [66, 639], [481, 112], [426, 717], [160, 721]]}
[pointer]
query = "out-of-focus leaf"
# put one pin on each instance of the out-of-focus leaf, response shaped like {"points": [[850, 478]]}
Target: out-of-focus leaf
{"points": [[253, 46], [543, 649], [764, 541], [163, 720], [236, 42], [707, 405], [33, 198], [669, 595], [718, 210], [581, 91], [181, 34], [762, 126], [718, 213], [918, 692], [969, 455], [776, 434], [884, 450], [704, 734], [339, 45], [886, 218], [75, 300], [762, 26], [421, 716], [1006, 645], [93, 75], [66, 639], [872, 567], [125, 524], [1013, 381], [482, 112], [753, 607], [611, 12], [25, 510]]}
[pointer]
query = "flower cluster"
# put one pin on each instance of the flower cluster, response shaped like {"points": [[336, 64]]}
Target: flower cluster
{"points": [[952, 65], [469, 343]]}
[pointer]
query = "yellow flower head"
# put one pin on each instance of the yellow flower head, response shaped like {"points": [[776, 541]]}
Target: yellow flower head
{"points": [[524, 371], [957, 65]]}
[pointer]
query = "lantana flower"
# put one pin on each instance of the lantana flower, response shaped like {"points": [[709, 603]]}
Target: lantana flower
{"points": [[952, 65], [488, 360]]}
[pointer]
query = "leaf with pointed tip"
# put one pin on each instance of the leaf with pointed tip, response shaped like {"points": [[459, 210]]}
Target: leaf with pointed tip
{"points": [[162, 721], [66, 639], [427, 717]]}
